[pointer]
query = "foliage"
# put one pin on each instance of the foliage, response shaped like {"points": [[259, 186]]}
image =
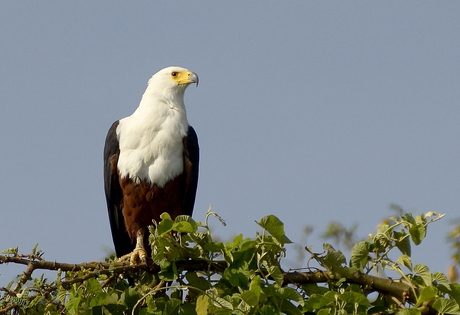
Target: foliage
{"points": [[453, 237], [341, 235], [190, 273]]}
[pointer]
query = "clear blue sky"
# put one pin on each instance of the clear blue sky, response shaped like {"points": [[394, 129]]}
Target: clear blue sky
{"points": [[312, 111]]}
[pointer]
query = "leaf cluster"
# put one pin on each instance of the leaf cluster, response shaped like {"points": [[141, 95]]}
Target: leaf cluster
{"points": [[191, 273]]}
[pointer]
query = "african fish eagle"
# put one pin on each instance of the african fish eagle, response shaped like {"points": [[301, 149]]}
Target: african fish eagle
{"points": [[151, 162]]}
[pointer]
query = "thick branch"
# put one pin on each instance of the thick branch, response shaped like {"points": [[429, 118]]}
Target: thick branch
{"points": [[397, 288], [401, 290]]}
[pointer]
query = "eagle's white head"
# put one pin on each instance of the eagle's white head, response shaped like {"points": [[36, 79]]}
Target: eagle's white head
{"points": [[171, 83]]}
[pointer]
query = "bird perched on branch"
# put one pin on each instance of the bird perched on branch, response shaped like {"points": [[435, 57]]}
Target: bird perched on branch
{"points": [[151, 163]]}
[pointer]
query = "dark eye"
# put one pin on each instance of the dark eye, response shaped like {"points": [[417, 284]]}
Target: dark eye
{"points": [[174, 74]]}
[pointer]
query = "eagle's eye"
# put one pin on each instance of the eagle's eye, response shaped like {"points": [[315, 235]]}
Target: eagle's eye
{"points": [[174, 74]]}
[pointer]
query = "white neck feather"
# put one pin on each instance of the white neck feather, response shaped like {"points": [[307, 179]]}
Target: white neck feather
{"points": [[150, 139]]}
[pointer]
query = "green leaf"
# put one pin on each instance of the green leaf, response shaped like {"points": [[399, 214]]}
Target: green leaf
{"points": [[290, 294], [455, 292], [197, 282], [221, 303], [417, 233], [427, 294], [165, 225], [165, 216], [355, 298], [268, 310], [423, 272], [403, 244], [93, 286], [237, 241], [316, 301], [250, 297], [406, 261], [314, 288], [112, 298], [35, 301], [276, 274], [242, 305], [237, 277], [113, 309], [289, 309], [130, 297], [187, 308], [160, 245], [334, 259], [408, 218], [171, 306], [441, 279], [72, 305], [275, 227], [214, 247], [446, 306], [168, 271], [360, 255], [326, 311], [420, 219], [383, 229], [217, 301], [98, 300], [10, 251], [380, 243], [409, 311], [185, 224], [255, 288]]}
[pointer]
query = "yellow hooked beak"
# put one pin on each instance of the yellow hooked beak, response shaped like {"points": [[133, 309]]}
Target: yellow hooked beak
{"points": [[184, 77]]}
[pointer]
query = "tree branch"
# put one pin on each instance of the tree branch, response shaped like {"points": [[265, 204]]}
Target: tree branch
{"points": [[401, 290]]}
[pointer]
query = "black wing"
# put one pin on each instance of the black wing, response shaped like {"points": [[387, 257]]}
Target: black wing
{"points": [[114, 194], [191, 161]]}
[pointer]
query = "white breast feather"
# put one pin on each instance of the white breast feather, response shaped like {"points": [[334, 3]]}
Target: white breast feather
{"points": [[151, 147]]}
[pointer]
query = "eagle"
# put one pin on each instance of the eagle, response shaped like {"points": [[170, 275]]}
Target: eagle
{"points": [[151, 163]]}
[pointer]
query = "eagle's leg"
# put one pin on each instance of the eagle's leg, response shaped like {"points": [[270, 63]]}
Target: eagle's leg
{"points": [[139, 253]]}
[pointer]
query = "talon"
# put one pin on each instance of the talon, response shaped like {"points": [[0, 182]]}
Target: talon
{"points": [[139, 254]]}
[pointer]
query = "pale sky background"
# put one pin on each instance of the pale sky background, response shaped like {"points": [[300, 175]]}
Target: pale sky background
{"points": [[312, 111]]}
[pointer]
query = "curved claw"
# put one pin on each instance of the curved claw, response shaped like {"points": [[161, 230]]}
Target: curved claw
{"points": [[139, 254]]}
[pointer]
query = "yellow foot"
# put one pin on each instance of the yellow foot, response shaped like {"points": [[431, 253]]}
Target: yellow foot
{"points": [[137, 255]]}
